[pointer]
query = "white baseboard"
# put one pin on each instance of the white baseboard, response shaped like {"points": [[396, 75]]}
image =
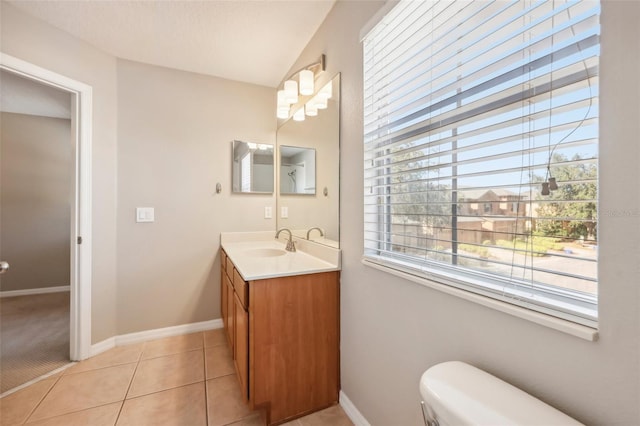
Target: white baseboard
{"points": [[103, 346], [158, 333], [32, 291], [352, 412]]}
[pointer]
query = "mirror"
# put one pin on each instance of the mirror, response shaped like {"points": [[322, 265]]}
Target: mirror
{"points": [[252, 170], [297, 170], [316, 202]]}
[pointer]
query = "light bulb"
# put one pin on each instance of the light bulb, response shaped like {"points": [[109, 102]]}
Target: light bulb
{"points": [[283, 112], [282, 101], [291, 91], [320, 102], [327, 91], [310, 109], [306, 82], [299, 115]]}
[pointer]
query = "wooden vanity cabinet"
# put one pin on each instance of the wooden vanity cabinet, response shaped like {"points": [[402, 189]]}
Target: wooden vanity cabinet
{"points": [[226, 298], [241, 353], [285, 341]]}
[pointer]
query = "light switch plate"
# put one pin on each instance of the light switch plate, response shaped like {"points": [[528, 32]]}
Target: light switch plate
{"points": [[145, 214], [284, 212], [267, 212]]}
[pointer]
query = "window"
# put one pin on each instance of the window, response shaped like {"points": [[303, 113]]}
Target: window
{"points": [[472, 104], [245, 172]]}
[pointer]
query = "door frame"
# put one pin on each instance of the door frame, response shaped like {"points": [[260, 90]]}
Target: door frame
{"points": [[80, 235]]}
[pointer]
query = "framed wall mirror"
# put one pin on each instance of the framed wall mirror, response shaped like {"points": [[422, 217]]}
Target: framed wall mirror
{"points": [[297, 170], [252, 167], [315, 202]]}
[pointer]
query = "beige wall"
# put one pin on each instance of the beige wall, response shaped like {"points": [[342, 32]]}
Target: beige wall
{"points": [[392, 330], [174, 144], [35, 156], [32, 40]]}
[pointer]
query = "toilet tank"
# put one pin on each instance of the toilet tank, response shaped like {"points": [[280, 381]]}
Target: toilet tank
{"points": [[457, 394]]}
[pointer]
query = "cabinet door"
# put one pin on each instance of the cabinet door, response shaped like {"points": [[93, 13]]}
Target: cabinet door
{"points": [[223, 297], [241, 324], [230, 315]]}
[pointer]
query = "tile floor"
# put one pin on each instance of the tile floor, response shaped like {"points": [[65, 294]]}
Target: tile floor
{"points": [[182, 380]]}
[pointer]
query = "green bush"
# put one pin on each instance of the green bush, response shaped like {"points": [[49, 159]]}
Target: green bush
{"points": [[550, 243], [533, 249], [480, 251]]}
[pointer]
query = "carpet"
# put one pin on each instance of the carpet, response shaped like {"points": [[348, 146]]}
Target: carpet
{"points": [[34, 337]]}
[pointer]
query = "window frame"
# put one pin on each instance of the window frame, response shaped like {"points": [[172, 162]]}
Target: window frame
{"points": [[466, 280]]}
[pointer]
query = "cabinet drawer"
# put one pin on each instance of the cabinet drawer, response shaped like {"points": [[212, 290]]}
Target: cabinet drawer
{"points": [[241, 287]]}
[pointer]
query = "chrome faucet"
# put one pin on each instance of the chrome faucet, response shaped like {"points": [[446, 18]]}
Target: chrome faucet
{"points": [[290, 245], [315, 227]]}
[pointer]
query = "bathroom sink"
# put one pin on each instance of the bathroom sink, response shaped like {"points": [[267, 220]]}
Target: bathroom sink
{"points": [[265, 252]]}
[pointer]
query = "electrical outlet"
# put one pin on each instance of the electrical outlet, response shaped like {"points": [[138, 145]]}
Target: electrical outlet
{"points": [[284, 212], [267, 212]]}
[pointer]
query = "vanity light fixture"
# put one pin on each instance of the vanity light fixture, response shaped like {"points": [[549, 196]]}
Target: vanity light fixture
{"points": [[311, 109], [305, 83], [283, 106], [299, 115], [291, 91], [327, 91], [320, 102]]}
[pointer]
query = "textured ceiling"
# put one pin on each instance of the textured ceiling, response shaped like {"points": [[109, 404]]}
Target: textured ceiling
{"points": [[250, 41]]}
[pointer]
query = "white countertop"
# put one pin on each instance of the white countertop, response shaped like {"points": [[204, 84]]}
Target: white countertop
{"points": [[309, 258]]}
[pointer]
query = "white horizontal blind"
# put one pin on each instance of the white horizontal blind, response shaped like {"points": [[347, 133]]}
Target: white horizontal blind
{"points": [[469, 107]]}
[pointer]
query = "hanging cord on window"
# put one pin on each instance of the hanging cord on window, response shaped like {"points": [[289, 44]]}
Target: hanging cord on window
{"points": [[550, 183], [524, 152]]}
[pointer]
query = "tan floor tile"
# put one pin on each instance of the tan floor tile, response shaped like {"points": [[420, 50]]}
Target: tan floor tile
{"points": [[172, 345], [253, 420], [218, 361], [16, 407], [215, 338], [116, 356], [332, 416], [292, 423], [224, 401], [105, 415], [183, 406], [75, 392], [167, 372]]}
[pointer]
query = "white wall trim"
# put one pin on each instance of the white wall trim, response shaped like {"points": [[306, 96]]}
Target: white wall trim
{"points": [[352, 412], [158, 333], [80, 263], [32, 291]]}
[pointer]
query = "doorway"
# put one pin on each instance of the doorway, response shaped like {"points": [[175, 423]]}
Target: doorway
{"points": [[79, 190]]}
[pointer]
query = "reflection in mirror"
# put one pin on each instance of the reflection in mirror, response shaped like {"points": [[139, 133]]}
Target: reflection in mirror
{"points": [[319, 134], [252, 167], [297, 170]]}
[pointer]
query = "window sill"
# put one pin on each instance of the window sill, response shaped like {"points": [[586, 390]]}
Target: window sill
{"points": [[568, 327]]}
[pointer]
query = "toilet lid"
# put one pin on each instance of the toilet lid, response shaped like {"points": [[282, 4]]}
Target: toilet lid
{"points": [[461, 394]]}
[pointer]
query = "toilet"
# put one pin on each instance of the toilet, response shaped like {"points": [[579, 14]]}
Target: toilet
{"points": [[457, 394]]}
